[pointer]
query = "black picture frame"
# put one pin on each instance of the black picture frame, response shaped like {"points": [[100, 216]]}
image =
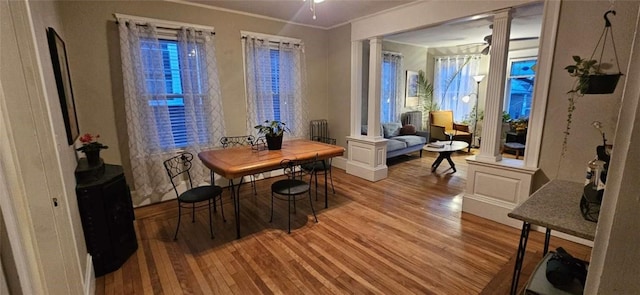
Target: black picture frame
{"points": [[58, 53]]}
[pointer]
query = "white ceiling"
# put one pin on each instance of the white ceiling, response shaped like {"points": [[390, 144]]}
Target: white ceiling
{"points": [[525, 24], [526, 21], [330, 13]]}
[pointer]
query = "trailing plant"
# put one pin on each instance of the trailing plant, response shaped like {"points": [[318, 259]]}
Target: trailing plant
{"points": [[580, 70]]}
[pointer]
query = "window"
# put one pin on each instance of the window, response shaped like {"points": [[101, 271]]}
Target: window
{"points": [[167, 98], [519, 86], [274, 55], [453, 80], [274, 69], [390, 82]]}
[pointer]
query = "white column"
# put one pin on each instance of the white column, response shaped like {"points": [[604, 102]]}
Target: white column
{"points": [[492, 125], [375, 77], [356, 87], [367, 155]]}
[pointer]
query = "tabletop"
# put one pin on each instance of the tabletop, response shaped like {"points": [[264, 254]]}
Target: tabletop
{"points": [[447, 146], [240, 161], [556, 206]]}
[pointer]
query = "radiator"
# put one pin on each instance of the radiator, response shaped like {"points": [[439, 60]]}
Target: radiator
{"points": [[414, 118], [319, 128]]}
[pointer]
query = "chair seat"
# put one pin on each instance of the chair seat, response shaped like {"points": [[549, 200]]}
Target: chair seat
{"points": [[290, 187], [316, 166], [199, 194]]}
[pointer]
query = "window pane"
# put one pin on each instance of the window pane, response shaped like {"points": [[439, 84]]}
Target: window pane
{"points": [[520, 88], [523, 68], [168, 100], [275, 82]]}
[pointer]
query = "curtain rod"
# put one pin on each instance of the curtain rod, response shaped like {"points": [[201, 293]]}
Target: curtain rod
{"points": [[162, 24], [294, 44], [167, 28]]}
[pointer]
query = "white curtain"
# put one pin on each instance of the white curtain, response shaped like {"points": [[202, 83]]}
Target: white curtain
{"points": [[453, 79], [390, 96], [160, 121], [276, 83]]}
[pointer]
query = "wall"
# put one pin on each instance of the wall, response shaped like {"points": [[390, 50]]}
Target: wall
{"points": [[339, 83], [414, 58], [9, 281], [46, 239], [578, 31], [94, 53]]}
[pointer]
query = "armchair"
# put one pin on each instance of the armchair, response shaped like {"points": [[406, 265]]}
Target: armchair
{"points": [[441, 125]]}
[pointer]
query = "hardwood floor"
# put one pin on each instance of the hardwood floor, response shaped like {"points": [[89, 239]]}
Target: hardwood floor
{"points": [[402, 235]]}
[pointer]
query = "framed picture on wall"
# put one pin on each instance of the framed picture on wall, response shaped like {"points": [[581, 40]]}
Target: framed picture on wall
{"points": [[63, 82], [411, 89]]}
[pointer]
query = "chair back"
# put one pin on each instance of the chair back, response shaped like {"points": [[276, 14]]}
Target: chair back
{"points": [[442, 118], [232, 141], [291, 167], [177, 166]]}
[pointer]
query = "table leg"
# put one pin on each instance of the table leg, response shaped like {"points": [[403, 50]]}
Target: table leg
{"points": [[547, 237], [326, 191], [437, 162], [235, 194], [448, 157], [522, 246]]}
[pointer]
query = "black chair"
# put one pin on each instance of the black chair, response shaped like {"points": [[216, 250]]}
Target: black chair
{"points": [[244, 140], [178, 167], [321, 167], [290, 188]]}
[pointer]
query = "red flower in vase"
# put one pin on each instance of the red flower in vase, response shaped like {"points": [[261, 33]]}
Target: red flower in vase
{"points": [[89, 143]]}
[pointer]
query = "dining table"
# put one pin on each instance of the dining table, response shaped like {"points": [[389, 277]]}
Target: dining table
{"points": [[237, 162]]}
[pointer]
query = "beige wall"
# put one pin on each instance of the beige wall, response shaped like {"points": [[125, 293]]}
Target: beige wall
{"points": [[578, 31], [339, 83], [94, 53], [36, 160]]}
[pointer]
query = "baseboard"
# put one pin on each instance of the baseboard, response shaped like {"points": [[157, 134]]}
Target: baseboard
{"points": [[89, 277], [339, 162], [368, 173]]}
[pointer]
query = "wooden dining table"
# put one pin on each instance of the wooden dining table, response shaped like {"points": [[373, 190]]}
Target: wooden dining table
{"points": [[241, 161]]}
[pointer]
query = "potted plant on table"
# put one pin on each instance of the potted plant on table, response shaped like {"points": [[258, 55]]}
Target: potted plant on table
{"points": [[273, 131], [91, 148]]}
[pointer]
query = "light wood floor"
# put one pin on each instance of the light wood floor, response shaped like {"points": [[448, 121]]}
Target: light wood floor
{"points": [[402, 235]]}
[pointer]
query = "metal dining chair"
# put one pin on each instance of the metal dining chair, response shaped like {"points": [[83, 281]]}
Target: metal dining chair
{"points": [[321, 167], [178, 168], [243, 140], [291, 187]]}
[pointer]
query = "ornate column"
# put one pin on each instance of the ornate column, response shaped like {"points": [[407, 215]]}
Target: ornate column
{"points": [[492, 125]]}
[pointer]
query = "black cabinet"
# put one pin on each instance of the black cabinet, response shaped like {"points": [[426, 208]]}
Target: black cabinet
{"points": [[107, 216]]}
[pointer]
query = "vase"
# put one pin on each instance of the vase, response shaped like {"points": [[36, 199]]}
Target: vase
{"points": [[93, 157], [274, 142]]}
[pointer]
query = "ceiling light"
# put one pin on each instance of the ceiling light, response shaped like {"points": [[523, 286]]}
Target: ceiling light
{"points": [[312, 6]]}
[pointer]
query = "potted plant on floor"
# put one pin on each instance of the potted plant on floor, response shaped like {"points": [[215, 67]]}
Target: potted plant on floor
{"points": [[273, 132]]}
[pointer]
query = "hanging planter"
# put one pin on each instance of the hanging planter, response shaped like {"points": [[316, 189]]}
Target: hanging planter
{"points": [[590, 79], [601, 84]]}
